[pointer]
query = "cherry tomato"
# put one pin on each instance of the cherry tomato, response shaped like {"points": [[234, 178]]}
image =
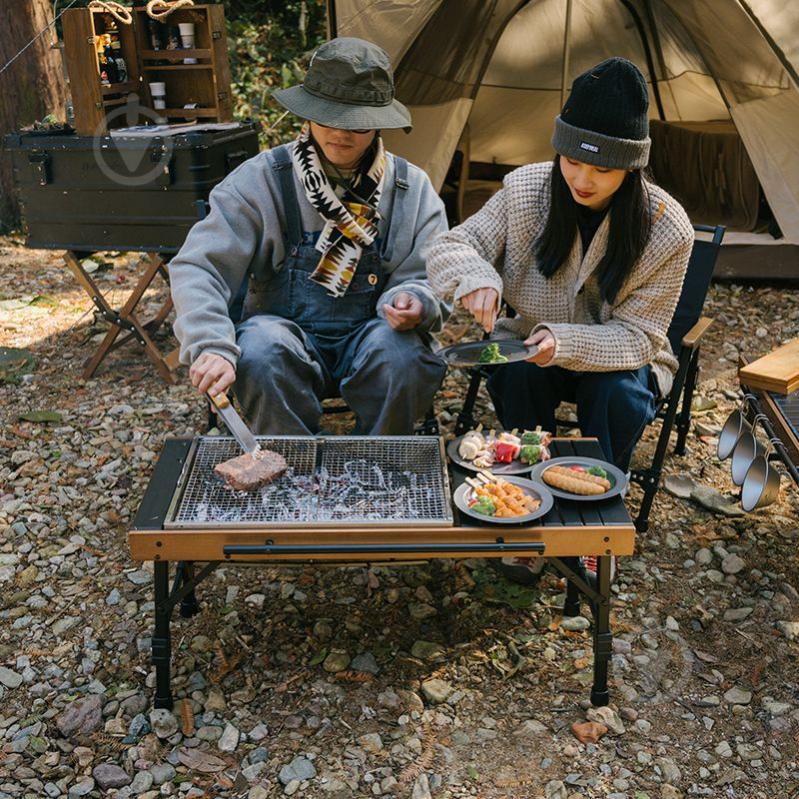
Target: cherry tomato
{"points": [[577, 468]]}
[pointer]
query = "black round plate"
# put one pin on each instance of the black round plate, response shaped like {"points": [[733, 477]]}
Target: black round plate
{"points": [[514, 467], [464, 491], [468, 354], [617, 478]]}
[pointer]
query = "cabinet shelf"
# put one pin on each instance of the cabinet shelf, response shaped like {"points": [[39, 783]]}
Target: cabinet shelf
{"points": [[187, 112], [119, 88], [173, 55], [114, 101], [171, 67]]}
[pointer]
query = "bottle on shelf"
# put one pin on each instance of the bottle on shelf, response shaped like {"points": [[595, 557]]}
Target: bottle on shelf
{"points": [[111, 67], [102, 60], [156, 32], [173, 39], [119, 61]]}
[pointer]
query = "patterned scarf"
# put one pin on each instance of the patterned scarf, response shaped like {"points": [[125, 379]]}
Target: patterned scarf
{"points": [[349, 224]]}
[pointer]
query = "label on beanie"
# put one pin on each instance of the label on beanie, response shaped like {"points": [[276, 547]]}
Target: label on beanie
{"points": [[592, 148]]}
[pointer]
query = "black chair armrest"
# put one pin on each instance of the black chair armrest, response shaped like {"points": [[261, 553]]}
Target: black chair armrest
{"points": [[693, 337]]}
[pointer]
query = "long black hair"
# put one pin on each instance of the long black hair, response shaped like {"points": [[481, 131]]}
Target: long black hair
{"points": [[630, 224]]}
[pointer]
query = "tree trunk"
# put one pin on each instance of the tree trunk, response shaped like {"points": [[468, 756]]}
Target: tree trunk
{"points": [[31, 88]]}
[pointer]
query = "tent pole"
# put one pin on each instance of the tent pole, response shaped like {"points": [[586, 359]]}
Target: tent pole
{"points": [[639, 26], [564, 78], [786, 65], [332, 31]]}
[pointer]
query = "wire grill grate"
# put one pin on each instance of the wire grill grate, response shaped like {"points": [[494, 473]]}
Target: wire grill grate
{"points": [[337, 481]]}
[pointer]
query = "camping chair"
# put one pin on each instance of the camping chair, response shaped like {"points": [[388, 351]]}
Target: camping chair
{"points": [[685, 334]]}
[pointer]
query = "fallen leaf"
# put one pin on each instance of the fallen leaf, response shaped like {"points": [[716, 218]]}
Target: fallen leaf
{"points": [[41, 416], [318, 657], [197, 760], [705, 656], [588, 731]]}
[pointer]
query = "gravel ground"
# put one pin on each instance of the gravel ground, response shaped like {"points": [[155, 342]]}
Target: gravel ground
{"points": [[434, 679]]}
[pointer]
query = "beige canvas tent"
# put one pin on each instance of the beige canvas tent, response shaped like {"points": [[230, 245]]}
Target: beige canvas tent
{"points": [[489, 76]]}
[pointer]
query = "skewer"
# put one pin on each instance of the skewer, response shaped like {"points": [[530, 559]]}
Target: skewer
{"points": [[473, 483], [489, 477]]}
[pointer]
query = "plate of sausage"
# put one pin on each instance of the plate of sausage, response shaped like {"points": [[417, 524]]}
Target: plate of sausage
{"points": [[581, 479]]}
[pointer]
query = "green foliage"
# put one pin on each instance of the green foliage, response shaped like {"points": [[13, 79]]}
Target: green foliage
{"points": [[270, 44]]}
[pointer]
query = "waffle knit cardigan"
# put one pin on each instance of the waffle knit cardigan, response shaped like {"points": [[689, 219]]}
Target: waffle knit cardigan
{"points": [[495, 249]]}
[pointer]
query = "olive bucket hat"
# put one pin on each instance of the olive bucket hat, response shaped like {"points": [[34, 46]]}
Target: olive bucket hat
{"points": [[349, 85]]}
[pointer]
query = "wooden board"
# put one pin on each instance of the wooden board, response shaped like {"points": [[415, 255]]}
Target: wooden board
{"points": [[778, 371], [207, 545]]}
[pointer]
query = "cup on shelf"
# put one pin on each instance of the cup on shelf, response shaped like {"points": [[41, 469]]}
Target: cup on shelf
{"points": [[187, 39], [158, 92]]}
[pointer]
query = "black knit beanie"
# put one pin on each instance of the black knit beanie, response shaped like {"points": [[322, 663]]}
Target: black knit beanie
{"points": [[605, 122]]}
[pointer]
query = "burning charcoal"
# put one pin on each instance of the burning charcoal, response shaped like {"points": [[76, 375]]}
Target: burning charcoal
{"points": [[246, 473]]}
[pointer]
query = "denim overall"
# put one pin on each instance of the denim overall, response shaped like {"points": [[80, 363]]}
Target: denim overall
{"points": [[300, 345]]}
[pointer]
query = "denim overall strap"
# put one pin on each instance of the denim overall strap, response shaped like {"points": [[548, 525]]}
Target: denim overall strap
{"points": [[292, 231], [400, 191]]}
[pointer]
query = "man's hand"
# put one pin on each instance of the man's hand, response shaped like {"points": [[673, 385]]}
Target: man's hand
{"points": [[483, 305], [545, 342], [212, 372], [405, 312]]}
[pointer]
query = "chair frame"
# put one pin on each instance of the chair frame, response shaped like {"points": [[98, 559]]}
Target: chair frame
{"points": [[674, 410]]}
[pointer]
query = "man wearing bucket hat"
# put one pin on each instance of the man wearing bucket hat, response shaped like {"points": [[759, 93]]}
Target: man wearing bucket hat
{"points": [[320, 241]]}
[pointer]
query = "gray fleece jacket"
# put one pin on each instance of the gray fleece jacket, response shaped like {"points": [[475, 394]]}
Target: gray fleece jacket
{"points": [[243, 234]]}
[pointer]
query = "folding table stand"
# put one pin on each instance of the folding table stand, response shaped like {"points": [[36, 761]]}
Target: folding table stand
{"points": [[126, 319], [568, 531]]}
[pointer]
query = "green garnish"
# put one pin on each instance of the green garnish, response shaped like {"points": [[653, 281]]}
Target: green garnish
{"points": [[530, 453], [531, 437], [485, 506], [598, 471], [491, 354]]}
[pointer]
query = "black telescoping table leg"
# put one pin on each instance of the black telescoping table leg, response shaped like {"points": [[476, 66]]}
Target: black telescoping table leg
{"points": [[161, 645], [188, 605], [571, 607], [603, 638]]}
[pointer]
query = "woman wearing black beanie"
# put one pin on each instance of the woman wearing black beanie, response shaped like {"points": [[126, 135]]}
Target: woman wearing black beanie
{"points": [[591, 256]]}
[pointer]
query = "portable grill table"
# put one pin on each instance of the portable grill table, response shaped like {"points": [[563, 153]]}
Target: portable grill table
{"points": [[173, 524]]}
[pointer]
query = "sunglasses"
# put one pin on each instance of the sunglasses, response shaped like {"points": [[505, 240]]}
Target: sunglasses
{"points": [[361, 131]]}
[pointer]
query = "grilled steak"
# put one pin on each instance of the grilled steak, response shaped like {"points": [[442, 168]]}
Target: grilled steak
{"points": [[246, 473]]}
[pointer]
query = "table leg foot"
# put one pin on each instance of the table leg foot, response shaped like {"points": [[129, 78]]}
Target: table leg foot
{"points": [[600, 698]]}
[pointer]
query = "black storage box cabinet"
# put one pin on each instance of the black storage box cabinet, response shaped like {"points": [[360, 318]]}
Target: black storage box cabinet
{"points": [[136, 191]]}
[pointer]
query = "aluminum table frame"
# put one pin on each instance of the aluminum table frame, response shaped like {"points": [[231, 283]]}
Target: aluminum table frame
{"points": [[568, 531]]}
